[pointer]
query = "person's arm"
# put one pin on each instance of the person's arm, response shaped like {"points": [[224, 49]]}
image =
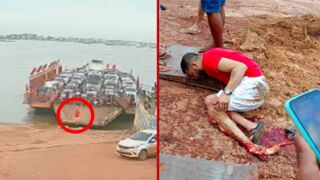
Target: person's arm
{"points": [[236, 70]]}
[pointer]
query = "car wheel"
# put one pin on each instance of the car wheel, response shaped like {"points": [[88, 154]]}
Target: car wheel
{"points": [[143, 155]]}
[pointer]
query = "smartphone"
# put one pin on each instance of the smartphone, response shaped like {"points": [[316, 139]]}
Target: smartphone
{"points": [[304, 110]]}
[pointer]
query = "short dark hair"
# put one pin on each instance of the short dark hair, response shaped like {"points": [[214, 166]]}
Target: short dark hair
{"points": [[187, 60]]}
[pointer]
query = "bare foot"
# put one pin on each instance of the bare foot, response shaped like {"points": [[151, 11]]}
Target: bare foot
{"points": [[194, 29], [164, 55], [260, 150], [164, 68]]}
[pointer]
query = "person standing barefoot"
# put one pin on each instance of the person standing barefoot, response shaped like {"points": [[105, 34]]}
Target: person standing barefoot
{"points": [[216, 19], [195, 28]]}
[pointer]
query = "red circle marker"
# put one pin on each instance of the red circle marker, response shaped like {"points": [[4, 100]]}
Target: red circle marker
{"points": [[73, 131]]}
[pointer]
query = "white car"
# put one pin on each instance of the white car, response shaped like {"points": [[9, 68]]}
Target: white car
{"points": [[140, 145]]}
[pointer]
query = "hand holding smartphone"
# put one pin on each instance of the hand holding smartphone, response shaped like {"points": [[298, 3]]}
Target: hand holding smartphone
{"points": [[304, 110]]}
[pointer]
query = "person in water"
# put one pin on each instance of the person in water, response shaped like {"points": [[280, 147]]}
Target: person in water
{"points": [[245, 90]]}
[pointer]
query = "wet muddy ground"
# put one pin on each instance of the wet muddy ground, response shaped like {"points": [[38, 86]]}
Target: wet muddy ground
{"points": [[283, 40]]}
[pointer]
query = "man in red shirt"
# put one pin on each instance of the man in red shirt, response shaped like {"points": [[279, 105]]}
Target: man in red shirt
{"points": [[245, 89]]}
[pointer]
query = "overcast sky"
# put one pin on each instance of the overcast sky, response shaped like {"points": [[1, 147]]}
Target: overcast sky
{"points": [[109, 19]]}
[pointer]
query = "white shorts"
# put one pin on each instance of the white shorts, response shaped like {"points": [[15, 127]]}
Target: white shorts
{"points": [[249, 94]]}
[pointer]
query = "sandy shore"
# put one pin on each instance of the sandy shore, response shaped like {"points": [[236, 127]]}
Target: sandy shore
{"points": [[33, 152]]}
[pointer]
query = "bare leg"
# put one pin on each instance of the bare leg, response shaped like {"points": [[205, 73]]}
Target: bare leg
{"points": [[216, 27], [200, 15], [195, 28], [249, 125], [223, 16], [227, 126]]}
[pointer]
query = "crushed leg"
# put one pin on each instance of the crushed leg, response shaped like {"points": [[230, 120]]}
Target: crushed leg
{"points": [[213, 120], [260, 151]]}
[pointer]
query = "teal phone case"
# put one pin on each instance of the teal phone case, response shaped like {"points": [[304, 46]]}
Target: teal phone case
{"points": [[299, 125]]}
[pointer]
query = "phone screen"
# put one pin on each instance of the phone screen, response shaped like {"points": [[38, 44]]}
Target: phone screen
{"points": [[307, 109]]}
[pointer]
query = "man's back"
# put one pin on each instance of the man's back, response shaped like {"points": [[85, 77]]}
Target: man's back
{"points": [[212, 57]]}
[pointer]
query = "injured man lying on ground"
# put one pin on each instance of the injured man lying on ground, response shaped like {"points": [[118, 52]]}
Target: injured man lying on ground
{"points": [[245, 90]]}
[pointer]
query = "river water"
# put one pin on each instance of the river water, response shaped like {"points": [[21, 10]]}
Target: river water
{"points": [[20, 57]]}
